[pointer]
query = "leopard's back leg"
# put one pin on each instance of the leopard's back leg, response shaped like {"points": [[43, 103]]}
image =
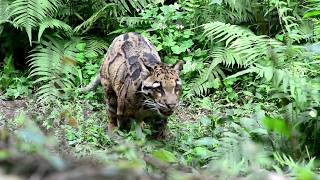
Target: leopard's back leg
{"points": [[111, 101], [123, 121]]}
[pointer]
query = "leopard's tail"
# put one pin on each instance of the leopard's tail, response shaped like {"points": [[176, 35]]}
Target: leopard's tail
{"points": [[92, 84]]}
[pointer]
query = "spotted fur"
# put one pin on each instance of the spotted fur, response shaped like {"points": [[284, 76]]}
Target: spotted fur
{"points": [[138, 86]]}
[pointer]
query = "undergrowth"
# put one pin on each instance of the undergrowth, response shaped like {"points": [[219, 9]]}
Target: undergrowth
{"points": [[250, 100]]}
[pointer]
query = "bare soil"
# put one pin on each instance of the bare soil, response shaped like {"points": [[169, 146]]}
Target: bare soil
{"points": [[9, 109]]}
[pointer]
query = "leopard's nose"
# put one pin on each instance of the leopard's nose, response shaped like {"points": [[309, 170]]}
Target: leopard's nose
{"points": [[171, 106], [171, 102]]}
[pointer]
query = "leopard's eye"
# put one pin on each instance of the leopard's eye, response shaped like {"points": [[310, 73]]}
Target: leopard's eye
{"points": [[178, 86], [156, 84], [147, 88], [157, 87]]}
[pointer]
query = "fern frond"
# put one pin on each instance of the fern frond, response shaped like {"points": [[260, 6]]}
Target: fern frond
{"points": [[313, 11], [28, 13], [229, 147], [295, 168], [247, 46], [86, 25], [261, 71], [4, 14], [49, 70], [227, 57], [114, 9], [53, 23], [133, 21], [239, 11], [265, 57], [124, 5], [288, 20], [95, 47], [207, 80]]}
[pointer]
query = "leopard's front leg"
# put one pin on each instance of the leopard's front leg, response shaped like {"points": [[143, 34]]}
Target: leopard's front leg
{"points": [[160, 127]]}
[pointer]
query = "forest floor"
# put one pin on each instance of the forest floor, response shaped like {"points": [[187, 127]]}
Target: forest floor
{"points": [[9, 109], [67, 140], [25, 166]]}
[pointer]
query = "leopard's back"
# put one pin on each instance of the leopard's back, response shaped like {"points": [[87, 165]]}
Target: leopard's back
{"points": [[126, 60], [124, 68]]}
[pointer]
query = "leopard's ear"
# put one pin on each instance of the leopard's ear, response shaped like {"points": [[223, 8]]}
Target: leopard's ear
{"points": [[178, 66], [149, 68], [146, 71]]}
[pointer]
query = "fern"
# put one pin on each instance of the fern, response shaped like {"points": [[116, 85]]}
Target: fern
{"points": [[4, 14], [288, 22], [28, 13], [263, 56], [209, 78], [53, 23], [116, 10], [243, 42], [227, 57], [52, 66], [239, 11], [230, 152], [95, 47], [124, 5], [86, 25], [313, 13], [244, 48], [134, 21], [230, 11], [297, 170]]}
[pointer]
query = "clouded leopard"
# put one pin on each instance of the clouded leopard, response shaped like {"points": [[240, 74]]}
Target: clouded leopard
{"points": [[137, 85]]}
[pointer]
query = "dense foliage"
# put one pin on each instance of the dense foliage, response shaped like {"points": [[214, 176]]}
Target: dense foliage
{"points": [[250, 80]]}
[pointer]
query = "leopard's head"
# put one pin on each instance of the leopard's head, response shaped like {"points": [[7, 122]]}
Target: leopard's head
{"points": [[162, 87]]}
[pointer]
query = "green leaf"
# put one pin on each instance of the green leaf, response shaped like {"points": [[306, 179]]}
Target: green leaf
{"points": [[280, 37], [53, 23], [188, 58], [168, 41], [90, 54], [178, 49], [81, 46], [187, 33], [159, 47], [277, 125], [28, 14], [189, 66], [165, 156], [219, 2], [312, 13], [86, 25], [206, 141], [187, 44], [205, 120], [170, 60], [4, 154], [80, 57], [268, 73], [202, 152]]}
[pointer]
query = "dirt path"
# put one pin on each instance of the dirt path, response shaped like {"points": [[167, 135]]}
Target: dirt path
{"points": [[9, 109]]}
